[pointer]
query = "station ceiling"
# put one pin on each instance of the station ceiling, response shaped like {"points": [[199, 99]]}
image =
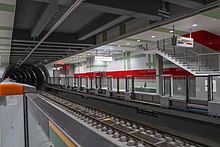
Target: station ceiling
{"points": [[206, 23], [33, 18]]}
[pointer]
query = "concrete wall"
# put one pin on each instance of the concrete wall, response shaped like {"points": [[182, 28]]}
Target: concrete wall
{"points": [[2, 69]]}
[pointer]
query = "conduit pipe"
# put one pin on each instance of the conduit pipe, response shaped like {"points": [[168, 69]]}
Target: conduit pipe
{"points": [[65, 15]]}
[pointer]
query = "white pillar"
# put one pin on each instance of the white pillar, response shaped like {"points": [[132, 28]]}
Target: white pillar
{"points": [[159, 72]]}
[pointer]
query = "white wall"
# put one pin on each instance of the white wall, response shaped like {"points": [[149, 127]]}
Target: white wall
{"points": [[49, 67], [125, 61]]}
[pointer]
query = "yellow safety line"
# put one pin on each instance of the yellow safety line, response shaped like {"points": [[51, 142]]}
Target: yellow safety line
{"points": [[67, 141]]}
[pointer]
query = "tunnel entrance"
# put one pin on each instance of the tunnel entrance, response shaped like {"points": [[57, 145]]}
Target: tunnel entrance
{"points": [[35, 75]]}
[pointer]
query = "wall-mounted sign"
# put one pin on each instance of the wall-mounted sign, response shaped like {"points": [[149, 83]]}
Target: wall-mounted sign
{"points": [[184, 42], [101, 58]]}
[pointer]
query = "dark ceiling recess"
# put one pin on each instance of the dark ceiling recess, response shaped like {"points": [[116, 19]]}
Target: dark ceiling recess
{"points": [[35, 17]]}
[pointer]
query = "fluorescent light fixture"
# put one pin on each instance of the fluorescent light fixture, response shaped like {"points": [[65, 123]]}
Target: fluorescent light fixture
{"points": [[127, 43], [101, 58], [138, 40], [119, 45], [194, 25], [171, 31], [153, 36]]}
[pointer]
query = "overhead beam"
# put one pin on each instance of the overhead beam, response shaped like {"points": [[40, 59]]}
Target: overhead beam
{"points": [[43, 20], [188, 3], [42, 55], [59, 2], [48, 1], [48, 46], [55, 53], [44, 49], [53, 43], [103, 23], [144, 9], [17, 58], [54, 38]]}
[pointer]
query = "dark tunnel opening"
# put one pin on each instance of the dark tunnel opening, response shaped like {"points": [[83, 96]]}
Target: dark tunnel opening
{"points": [[35, 75]]}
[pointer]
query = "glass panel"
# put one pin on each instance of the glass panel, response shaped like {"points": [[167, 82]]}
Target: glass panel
{"points": [[166, 86], [198, 90], [145, 84], [93, 83], [84, 81], [192, 87], [216, 87], [62, 81], [179, 87], [71, 81], [57, 80], [104, 83], [114, 84], [122, 84]]}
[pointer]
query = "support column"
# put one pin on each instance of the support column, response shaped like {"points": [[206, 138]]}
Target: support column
{"points": [[159, 72], [218, 62]]}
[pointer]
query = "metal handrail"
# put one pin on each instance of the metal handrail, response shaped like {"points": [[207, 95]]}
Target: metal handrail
{"points": [[203, 54], [193, 51], [209, 54]]}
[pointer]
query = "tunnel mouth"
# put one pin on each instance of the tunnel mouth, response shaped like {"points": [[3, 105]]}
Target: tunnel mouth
{"points": [[35, 75]]}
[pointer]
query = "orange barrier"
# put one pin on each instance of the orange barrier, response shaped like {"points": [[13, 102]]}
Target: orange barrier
{"points": [[11, 89]]}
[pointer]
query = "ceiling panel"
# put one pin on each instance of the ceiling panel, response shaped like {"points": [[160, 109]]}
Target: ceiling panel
{"points": [[7, 12], [76, 20]]}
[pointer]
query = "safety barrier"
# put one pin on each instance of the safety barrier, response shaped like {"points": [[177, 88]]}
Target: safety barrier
{"points": [[169, 91]]}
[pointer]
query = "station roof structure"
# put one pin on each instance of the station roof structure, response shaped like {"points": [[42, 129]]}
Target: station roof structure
{"points": [[34, 18]]}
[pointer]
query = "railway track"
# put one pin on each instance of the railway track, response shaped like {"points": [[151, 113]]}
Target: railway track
{"points": [[131, 133]]}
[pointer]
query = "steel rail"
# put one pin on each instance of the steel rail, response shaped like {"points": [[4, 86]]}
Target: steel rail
{"points": [[119, 130], [101, 122]]}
